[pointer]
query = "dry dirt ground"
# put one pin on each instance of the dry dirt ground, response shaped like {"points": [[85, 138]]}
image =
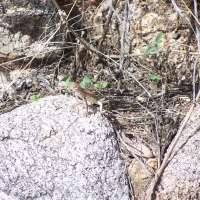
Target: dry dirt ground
{"points": [[147, 95]]}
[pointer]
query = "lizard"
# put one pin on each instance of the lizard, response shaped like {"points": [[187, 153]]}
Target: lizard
{"points": [[85, 95]]}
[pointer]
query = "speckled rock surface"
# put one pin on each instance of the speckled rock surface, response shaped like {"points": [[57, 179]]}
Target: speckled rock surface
{"points": [[48, 150], [181, 177]]}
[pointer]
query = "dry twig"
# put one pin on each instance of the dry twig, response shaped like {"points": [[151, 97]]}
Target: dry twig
{"points": [[126, 8], [177, 9], [107, 24], [197, 25], [134, 155]]}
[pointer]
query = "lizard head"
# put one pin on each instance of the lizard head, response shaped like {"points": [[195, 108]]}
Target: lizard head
{"points": [[74, 86]]}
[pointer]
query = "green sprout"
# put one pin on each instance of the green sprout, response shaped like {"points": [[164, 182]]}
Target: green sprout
{"points": [[141, 119], [85, 80], [154, 78], [154, 47], [34, 98], [101, 85], [66, 80]]}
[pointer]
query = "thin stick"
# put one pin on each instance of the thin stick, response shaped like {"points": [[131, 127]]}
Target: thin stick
{"points": [[194, 78], [122, 51], [177, 9], [196, 19], [18, 59], [197, 25], [56, 5], [107, 24], [134, 155], [142, 87], [122, 37]]}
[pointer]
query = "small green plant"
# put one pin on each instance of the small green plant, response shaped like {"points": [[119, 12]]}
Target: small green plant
{"points": [[154, 78], [66, 80], [85, 80], [141, 119], [154, 47], [101, 85], [34, 98]]}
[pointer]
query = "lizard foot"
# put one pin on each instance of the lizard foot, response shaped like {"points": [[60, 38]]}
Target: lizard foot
{"points": [[75, 105]]}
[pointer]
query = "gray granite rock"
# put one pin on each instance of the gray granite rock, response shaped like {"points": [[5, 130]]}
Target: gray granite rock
{"points": [[181, 177], [49, 150]]}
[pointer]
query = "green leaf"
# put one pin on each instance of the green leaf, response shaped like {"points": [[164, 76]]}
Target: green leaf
{"points": [[37, 95], [147, 45], [85, 80], [97, 85], [34, 98], [67, 83], [159, 37], [141, 119], [101, 85], [154, 78], [149, 50], [157, 52], [66, 80]]}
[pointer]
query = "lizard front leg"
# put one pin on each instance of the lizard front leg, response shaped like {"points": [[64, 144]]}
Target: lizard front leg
{"points": [[76, 103], [101, 105], [86, 104]]}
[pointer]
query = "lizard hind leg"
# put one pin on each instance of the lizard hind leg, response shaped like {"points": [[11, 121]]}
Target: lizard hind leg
{"points": [[86, 104]]}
